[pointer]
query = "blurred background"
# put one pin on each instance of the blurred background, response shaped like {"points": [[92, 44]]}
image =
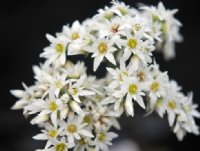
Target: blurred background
{"points": [[23, 25]]}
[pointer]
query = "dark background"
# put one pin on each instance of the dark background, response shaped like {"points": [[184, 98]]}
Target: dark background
{"points": [[23, 25]]}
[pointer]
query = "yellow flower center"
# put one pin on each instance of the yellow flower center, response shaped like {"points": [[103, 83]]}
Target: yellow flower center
{"points": [[155, 18], [137, 27], [75, 91], [164, 27], [123, 11], [102, 137], [132, 89], [53, 106], [172, 104], [52, 133], [132, 43], [108, 15], [72, 128], [159, 102], [60, 48], [103, 47], [82, 141], [154, 86], [75, 36], [58, 84], [60, 147], [86, 119]]}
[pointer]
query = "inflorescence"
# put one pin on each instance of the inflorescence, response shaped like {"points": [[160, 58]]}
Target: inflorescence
{"points": [[76, 111]]}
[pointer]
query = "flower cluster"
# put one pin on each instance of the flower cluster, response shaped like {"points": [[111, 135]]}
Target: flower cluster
{"points": [[75, 110]]}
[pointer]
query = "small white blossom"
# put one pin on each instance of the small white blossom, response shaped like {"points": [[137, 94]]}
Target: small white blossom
{"points": [[74, 129]]}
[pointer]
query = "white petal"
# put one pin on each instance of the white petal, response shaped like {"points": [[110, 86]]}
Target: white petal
{"points": [[40, 137], [111, 71], [70, 139], [63, 113], [54, 118], [140, 101], [111, 58], [76, 108], [17, 93], [76, 98], [77, 136], [171, 118], [63, 58], [50, 38], [19, 104], [39, 119], [129, 105], [127, 54], [85, 92], [85, 133], [97, 61]]}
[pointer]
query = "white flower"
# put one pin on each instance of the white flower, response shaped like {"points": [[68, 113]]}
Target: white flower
{"points": [[173, 107], [48, 134], [157, 86], [75, 129], [49, 106], [56, 82], [102, 48], [58, 145], [103, 140], [77, 111], [132, 44], [112, 27], [74, 71], [25, 96], [84, 144], [104, 116], [169, 27], [131, 89], [121, 9], [189, 107], [119, 74], [57, 49], [75, 34], [76, 89]]}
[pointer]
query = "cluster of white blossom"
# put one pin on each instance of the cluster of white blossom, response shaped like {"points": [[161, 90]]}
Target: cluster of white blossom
{"points": [[76, 111]]}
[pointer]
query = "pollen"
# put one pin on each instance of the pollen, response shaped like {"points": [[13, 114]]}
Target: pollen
{"points": [[75, 36], [60, 147], [72, 128], [132, 43], [103, 47], [154, 86], [172, 104], [102, 137], [60, 48], [53, 106], [52, 133], [132, 89]]}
